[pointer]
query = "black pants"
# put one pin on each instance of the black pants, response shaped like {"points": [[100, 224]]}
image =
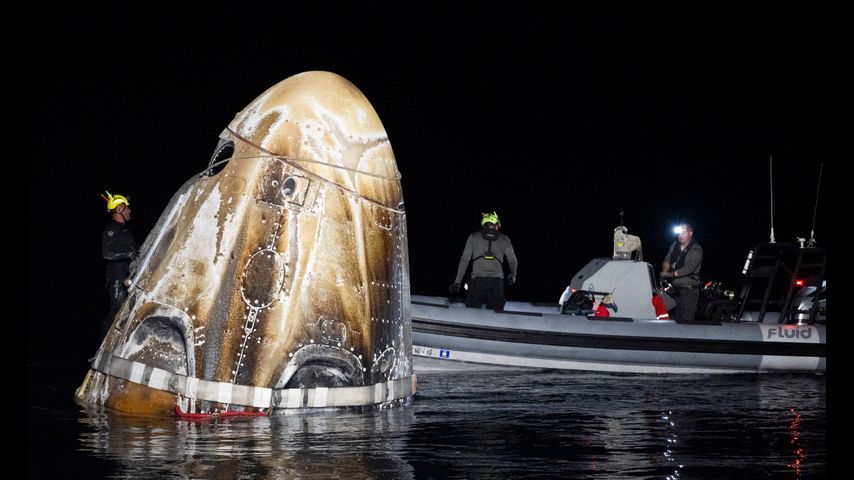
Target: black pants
{"points": [[686, 305], [117, 293], [490, 290]]}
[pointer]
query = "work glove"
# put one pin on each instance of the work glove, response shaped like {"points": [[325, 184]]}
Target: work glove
{"points": [[666, 274], [511, 279], [454, 288]]}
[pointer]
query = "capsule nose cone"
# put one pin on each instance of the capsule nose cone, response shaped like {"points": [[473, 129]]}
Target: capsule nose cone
{"points": [[323, 122]]}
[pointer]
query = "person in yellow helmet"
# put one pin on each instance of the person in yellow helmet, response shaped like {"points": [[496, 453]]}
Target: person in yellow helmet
{"points": [[489, 251], [118, 249]]}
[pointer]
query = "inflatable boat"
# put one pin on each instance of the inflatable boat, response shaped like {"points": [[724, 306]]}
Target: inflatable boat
{"points": [[447, 335]]}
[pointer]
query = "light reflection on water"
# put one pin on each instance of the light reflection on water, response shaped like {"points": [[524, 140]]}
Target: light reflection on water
{"points": [[497, 425], [794, 426]]}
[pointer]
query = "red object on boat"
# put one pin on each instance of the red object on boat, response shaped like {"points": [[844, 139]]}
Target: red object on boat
{"points": [[207, 416], [660, 311]]}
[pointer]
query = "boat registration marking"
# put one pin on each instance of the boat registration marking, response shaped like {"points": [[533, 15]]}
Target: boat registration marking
{"points": [[430, 352]]}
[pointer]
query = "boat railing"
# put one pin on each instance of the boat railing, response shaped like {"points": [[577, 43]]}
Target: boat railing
{"points": [[771, 274]]}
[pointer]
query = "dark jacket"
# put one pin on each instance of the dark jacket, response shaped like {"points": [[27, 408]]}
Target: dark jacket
{"points": [[118, 248], [686, 265]]}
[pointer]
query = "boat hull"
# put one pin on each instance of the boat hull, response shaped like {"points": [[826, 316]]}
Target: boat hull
{"points": [[450, 336]]}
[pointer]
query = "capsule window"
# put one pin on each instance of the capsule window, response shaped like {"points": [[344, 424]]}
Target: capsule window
{"points": [[222, 153], [289, 187]]}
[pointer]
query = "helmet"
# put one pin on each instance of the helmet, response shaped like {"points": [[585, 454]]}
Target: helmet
{"points": [[490, 218], [114, 201]]}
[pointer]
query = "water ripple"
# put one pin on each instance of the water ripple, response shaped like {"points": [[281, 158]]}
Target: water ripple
{"points": [[484, 425]]}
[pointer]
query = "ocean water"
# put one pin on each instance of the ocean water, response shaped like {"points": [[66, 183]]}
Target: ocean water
{"points": [[509, 424]]}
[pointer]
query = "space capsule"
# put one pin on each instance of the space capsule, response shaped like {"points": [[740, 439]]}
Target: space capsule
{"points": [[276, 279]]}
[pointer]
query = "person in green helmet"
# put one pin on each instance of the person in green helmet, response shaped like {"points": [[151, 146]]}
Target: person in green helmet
{"points": [[118, 249], [489, 250]]}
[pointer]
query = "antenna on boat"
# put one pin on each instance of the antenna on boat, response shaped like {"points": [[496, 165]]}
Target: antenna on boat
{"points": [[621, 218], [771, 181], [812, 243]]}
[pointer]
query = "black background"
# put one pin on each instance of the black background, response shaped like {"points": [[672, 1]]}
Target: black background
{"points": [[556, 119]]}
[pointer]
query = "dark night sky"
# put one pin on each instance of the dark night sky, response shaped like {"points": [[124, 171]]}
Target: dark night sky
{"points": [[555, 120]]}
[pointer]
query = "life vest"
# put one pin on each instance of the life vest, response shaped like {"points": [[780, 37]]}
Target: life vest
{"points": [[677, 258], [489, 254]]}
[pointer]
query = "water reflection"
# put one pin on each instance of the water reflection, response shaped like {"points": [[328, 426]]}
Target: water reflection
{"points": [[794, 431], [798, 415], [542, 425], [318, 445]]}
